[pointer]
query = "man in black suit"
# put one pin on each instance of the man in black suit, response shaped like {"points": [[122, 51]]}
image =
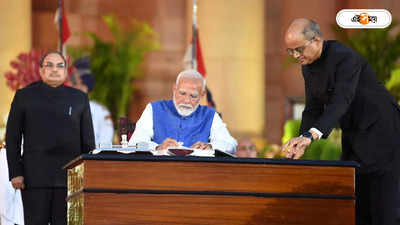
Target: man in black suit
{"points": [[55, 124], [341, 88]]}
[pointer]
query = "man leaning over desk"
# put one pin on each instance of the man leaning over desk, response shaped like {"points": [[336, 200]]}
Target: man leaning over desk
{"points": [[182, 120]]}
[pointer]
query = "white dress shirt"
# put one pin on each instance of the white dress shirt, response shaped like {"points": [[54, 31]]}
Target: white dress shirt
{"points": [[102, 124], [319, 133], [219, 135], [11, 208]]}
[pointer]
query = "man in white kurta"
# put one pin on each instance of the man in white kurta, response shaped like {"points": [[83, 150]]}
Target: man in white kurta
{"points": [[11, 208], [102, 124], [182, 121], [102, 121]]}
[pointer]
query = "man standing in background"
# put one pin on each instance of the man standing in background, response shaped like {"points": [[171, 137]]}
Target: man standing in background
{"points": [[246, 148], [56, 126], [102, 120]]}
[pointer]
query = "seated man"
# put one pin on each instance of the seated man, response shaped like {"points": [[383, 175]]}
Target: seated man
{"points": [[246, 148], [183, 121]]}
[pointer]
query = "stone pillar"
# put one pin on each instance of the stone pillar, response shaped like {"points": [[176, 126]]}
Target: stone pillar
{"points": [[232, 38]]}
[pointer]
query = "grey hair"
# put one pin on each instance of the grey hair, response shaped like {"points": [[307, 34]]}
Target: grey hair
{"points": [[192, 74], [311, 30]]}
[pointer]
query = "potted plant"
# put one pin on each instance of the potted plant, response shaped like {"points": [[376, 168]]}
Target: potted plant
{"points": [[380, 47], [115, 64]]}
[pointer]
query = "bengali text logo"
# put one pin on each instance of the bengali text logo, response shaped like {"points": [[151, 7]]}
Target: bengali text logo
{"points": [[363, 18]]}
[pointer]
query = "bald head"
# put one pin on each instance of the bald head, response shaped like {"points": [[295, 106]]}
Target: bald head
{"points": [[304, 41], [302, 29]]}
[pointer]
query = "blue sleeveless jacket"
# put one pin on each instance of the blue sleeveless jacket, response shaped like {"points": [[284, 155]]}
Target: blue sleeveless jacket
{"points": [[167, 123]]}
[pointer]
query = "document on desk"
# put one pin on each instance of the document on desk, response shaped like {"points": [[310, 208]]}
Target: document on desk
{"points": [[143, 149], [125, 150], [173, 151], [184, 151]]}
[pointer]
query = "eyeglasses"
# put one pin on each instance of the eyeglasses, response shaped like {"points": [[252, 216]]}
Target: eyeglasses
{"points": [[300, 49], [50, 65]]}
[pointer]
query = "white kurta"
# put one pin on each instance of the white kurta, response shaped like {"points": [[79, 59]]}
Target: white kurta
{"points": [[11, 209], [219, 134], [102, 124]]}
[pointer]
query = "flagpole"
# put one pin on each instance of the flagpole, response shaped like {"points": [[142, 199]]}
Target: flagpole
{"points": [[60, 33], [194, 36], [195, 63]]}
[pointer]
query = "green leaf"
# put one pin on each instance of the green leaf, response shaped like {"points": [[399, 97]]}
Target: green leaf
{"points": [[116, 63], [380, 47]]}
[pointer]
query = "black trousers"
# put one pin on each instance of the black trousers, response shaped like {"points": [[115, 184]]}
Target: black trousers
{"points": [[378, 199], [45, 205]]}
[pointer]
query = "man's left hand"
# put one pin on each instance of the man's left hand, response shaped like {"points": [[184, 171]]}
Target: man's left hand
{"points": [[202, 145]]}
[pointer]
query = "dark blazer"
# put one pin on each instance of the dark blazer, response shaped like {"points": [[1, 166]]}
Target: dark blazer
{"points": [[56, 126], [341, 88]]}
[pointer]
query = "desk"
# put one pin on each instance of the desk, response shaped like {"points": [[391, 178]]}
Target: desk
{"points": [[134, 189]]}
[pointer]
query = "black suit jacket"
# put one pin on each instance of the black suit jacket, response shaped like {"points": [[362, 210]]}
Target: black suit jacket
{"points": [[341, 87], [56, 126]]}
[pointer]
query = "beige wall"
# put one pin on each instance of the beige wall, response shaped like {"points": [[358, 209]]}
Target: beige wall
{"points": [[15, 28], [232, 40]]}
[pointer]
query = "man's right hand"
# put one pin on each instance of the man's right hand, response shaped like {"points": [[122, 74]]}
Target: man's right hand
{"points": [[18, 182], [296, 147], [169, 142]]}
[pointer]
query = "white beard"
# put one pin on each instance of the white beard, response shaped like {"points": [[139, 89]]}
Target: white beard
{"points": [[185, 109]]}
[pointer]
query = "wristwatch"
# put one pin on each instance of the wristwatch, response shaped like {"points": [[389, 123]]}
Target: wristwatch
{"points": [[308, 134]]}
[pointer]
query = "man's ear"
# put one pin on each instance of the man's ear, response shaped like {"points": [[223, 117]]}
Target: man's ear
{"points": [[41, 72], [66, 73], [317, 38], [174, 87], [203, 92]]}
